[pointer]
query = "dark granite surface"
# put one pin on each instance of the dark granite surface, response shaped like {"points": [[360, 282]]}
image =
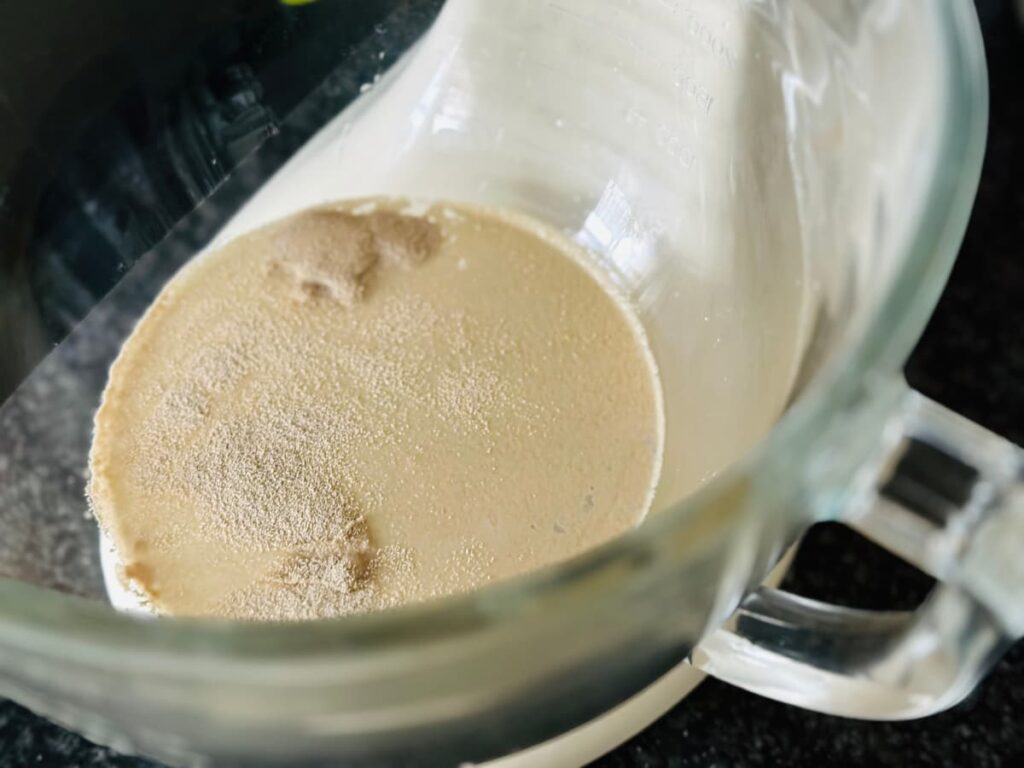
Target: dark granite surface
{"points": [[972, 359]]}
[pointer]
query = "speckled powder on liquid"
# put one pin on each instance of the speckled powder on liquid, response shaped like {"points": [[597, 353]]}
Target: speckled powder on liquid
{"points": [[358, 407]]}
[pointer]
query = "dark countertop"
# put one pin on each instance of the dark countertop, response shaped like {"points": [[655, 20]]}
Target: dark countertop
{"points": [[971, 358]]}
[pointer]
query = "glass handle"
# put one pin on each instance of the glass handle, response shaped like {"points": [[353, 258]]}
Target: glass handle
{"points": [[950, 501]]}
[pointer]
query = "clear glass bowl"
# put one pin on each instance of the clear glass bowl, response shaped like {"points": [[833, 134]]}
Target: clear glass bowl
{"points": [[780, 187]]}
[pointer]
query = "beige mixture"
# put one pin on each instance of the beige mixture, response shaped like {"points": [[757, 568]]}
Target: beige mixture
{"points": [[365, 405]]}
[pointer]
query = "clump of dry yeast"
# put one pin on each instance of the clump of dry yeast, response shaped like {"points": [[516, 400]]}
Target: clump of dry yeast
{"points": [[331, 253]]}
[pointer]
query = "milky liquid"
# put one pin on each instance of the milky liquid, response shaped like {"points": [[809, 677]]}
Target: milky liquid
{"points": [[485, 413]]}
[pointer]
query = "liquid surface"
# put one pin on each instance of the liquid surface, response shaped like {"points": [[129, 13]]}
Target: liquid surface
{"points": [[369, 404]]}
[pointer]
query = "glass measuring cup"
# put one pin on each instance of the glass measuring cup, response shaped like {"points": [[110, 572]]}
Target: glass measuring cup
{"points": [[754, 174]]}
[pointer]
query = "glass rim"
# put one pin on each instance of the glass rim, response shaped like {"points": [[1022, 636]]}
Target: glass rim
{"points": [[54, 623]]}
